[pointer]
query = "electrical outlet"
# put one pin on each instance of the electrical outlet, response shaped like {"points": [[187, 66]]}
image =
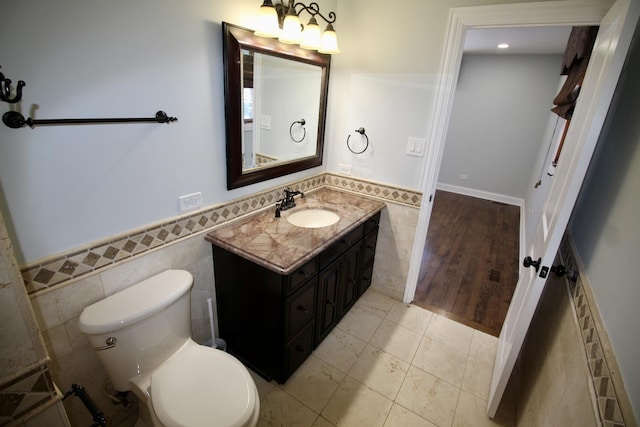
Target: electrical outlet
{"points": [[190, 201], [344, 169], [464, 177]]}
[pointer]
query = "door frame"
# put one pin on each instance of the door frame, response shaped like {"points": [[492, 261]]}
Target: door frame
{"points": [[550, 13]]}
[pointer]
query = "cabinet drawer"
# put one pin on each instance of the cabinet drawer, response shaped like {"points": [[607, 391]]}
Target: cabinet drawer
{"points": [[298, 350], [301, 275], [335, 250], [300, 309]]}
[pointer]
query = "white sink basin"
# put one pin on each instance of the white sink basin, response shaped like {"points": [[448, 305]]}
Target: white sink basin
{"points": [[313, 218]]}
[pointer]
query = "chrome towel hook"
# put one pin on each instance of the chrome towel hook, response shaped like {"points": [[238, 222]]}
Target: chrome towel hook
{"points": [[5, 90], [302, 122], [15, 119], [361, 131]]}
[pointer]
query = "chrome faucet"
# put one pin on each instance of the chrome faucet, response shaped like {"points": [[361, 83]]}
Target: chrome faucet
{"points": [[288, 202]]}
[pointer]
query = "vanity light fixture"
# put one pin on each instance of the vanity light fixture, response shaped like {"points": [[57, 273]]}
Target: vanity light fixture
{"points": [[282, 22], [503, 46]]}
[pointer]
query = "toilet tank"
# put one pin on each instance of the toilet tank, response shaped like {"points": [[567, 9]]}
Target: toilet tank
{"points": [[133, 331]]}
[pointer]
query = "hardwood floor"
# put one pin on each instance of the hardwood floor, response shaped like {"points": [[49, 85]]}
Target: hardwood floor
{"points": [[470, 263]]}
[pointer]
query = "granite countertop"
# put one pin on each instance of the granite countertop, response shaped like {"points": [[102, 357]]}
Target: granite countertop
{"points": [[282, 247]]}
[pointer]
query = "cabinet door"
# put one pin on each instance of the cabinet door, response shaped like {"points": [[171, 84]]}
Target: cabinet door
{"points": [[364, 280], [327, 309], [365, 266], [348, 282]]}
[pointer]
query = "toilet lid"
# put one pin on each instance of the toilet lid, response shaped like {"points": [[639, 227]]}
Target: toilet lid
{"points": [[202, 386]]}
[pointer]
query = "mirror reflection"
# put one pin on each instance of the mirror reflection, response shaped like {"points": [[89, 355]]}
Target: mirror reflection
{"points": [[280, 109], [275, 106]]}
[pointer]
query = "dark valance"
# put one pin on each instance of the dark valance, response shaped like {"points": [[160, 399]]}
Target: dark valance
{"points": [[574, 66]]}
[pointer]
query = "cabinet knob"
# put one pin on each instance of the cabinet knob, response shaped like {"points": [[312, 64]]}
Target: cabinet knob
{"points": [[302, 309], [299, 349], [303, 273]]}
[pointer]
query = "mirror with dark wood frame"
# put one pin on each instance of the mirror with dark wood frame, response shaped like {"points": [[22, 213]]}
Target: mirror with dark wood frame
{"points": [[275, 106]]}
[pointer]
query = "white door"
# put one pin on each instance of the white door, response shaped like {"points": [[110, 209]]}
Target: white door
{"points": [[610, 50]]}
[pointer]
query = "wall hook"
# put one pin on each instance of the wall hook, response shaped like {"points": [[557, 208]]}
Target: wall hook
{"points": [[302, 122], [16, 120], [361, 131], [5, 90]]}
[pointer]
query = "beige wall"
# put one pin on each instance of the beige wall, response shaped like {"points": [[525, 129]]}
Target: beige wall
{"points": [[395, 241], [23, 357], [554, 388]]}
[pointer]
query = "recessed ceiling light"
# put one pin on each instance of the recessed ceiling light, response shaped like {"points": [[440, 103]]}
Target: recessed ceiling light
{"points": [[503, 45]]}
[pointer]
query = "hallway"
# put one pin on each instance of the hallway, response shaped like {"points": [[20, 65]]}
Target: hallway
{"points": [[470, 264]]}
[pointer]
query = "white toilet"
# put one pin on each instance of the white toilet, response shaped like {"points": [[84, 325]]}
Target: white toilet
{"points": [[142, 336]]}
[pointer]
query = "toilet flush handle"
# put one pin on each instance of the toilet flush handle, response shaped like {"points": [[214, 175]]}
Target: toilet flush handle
{"points": [[110, 343]]}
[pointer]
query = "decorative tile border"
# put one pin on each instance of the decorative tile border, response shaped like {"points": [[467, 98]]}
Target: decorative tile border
{"points": [[263, 159], [25, 394], [60, 270], [368, 188], [607, 400]]}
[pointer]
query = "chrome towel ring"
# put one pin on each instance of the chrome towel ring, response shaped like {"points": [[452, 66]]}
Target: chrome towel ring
{"points": [[361, 131], [302, 122]]}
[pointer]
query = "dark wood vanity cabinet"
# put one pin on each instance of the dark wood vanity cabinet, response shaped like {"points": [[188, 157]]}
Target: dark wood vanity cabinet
{"points": [[345, 274], [273, 322]]}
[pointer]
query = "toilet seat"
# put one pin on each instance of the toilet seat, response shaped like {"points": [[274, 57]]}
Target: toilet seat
{"points": [[202, 386]]}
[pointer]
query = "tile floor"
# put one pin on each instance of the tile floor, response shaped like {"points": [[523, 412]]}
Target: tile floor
{"points": [[389, 364]]}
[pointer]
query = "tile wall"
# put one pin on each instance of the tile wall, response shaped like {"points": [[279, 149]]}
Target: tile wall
{"points": [[565, 375], [611, 403], [58, 270], [26, 386], [60, 287]]}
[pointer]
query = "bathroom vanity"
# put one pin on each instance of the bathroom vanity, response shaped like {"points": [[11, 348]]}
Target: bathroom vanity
{"points": [[281, 288]]}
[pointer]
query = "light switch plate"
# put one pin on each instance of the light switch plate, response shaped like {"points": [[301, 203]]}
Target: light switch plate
{"points": [[265, 122], [415, 146]]}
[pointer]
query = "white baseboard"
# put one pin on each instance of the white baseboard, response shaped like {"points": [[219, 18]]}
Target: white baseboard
{"points": [[495, 197]]}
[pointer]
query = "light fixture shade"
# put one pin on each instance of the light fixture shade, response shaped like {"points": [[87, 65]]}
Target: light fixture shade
{"points": [[267, 25], [329, 42], [291, 31], [311, 36]]}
